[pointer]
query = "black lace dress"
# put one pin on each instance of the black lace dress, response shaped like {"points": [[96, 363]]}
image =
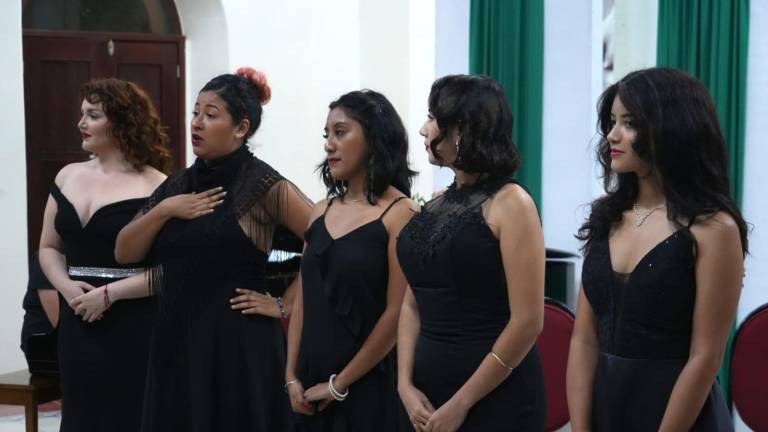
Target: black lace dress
{"points": [[345, 292], [212, 368], [453, 264], [645, 319], [102, 364]]}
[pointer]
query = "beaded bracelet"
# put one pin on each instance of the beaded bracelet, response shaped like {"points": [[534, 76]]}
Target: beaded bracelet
{"points": [[107, 302], [281, 305], [335, 393]]}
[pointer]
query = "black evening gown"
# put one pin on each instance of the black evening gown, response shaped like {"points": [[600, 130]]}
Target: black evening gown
{"points": [[453, 264], [644, 323], [103, 364], [212, 368], [345, 292]]}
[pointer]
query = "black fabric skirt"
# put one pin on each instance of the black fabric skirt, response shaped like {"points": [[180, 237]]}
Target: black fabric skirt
{"points": [[632, 395], [517, 404]]}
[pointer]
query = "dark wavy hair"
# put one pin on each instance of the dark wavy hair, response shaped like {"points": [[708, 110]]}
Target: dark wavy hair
{"points": [[387, 142], [478, 108], [679, 137], [243, 97], [133, 121]]}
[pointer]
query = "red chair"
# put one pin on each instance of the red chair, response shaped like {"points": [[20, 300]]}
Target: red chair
{"points": [[749, 370], [553, 344]]}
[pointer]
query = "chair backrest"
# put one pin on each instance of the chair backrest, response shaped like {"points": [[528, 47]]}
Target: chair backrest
{"points": [[553, 344], [749, 370]]}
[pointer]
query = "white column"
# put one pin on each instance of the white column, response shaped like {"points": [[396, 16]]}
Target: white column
{"points": [[568, 121]]}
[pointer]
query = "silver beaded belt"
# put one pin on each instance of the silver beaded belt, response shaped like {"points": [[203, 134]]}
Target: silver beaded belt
{"points": [[104, 272]]}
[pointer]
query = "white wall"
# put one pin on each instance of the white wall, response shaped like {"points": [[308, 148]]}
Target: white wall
{"points": [[568, 127], [634, 37], [568, 121], [13, 191], [397, 57], [313, 52], [451, 57], [207, 53], [755, 203]]}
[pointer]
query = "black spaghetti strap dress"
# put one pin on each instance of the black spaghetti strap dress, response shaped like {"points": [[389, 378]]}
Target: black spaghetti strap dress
{"points": [[345, 292], [453, 263], [644, 324]]}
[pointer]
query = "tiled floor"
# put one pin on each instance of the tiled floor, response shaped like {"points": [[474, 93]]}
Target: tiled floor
{"points": [[12, 418]]}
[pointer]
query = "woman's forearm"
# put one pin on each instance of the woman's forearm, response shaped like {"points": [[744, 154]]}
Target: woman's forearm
{"points": [[407, 335], [377, 345], [690, 392], [582, 361], [511, 347], [294, 336], [135, 239], [129, 288], [54, 266]]}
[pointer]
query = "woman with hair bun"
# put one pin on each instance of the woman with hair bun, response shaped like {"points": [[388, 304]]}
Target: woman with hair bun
{"points": [[105, 315], [218, 352]]}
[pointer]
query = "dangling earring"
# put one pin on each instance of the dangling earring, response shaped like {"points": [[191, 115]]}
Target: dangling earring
{"points": [[458, 139]]}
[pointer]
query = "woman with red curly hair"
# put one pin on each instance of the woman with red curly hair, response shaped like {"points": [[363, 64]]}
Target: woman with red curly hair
{"points": [[105, 313], [218, 352]]}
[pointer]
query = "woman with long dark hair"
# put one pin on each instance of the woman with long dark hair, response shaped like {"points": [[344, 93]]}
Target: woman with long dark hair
{"points": [[474, 259], [218, 351], [105, 317], [664, 251], [341, 372]]}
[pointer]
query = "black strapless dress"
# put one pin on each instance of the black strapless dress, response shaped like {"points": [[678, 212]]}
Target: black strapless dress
{"points": [[644, 322], [103, 364], [453, 263]]}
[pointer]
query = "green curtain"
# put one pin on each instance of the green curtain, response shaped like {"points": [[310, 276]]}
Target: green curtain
{"points": [[506, 41], [708, 38]]}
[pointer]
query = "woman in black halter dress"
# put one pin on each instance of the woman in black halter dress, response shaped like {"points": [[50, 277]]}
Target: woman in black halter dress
{"points": [[663, 266], [217, 355], [474, 259], [345, 319], [105, 316]]}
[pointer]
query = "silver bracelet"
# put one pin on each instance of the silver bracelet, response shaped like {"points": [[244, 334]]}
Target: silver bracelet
{"points": [[281, 305], [335, 393], [501, 362], [285, 386]]}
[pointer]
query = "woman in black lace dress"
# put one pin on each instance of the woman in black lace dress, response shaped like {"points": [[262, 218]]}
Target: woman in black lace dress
{"points": [[341, 371], [663, 267], [474, 259], [217, 357], [105, 315]]}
